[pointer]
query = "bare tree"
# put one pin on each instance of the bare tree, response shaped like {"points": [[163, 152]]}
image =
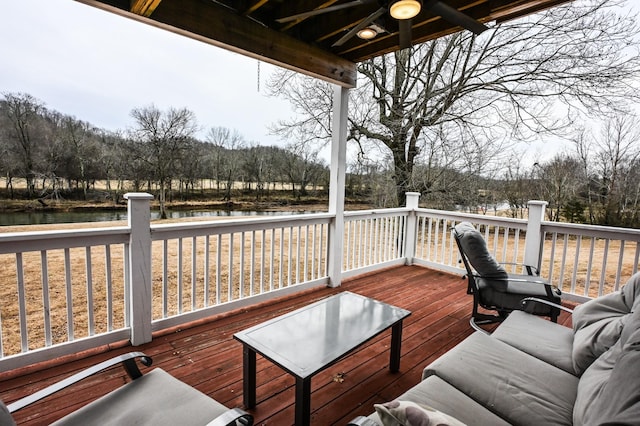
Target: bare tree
{"points": [[226, 165], [561, 180], [22, 113], [161, 139], [618, 152], [462, 90]]}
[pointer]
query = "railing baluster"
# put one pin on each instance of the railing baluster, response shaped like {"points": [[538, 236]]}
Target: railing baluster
{"points": [[69, 294], [22, 300], [194, 272], [206, 273], [108, 286], [46, 300], [89, 283], [218, 269], [179, 277], [230, 281], [620, 263], [165, 278], [574, 277], [604, 268], [241, 289], [587, 282]]}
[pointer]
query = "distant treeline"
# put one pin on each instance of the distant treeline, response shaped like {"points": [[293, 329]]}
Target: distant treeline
{"points": [[45, 153]]}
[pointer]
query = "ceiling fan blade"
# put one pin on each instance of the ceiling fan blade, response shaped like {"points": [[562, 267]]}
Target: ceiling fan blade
{"points": [[454, 16], [365, 22], [404, 33], [321, 11]]}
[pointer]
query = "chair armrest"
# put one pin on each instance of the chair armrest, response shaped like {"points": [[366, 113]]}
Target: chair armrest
{"points": [[362, 421], [524, 302], [531, 270], [235, 416], [128, 361], [532, 280]]}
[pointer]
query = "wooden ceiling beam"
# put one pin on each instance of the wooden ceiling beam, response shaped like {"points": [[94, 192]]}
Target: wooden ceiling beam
{"points": [[208, 22]]}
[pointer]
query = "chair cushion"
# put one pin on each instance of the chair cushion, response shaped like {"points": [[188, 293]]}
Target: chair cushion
{"points": [[475, 249], [156, 398], [545, 340], [513, 293], [598, 323], [409, 413]]}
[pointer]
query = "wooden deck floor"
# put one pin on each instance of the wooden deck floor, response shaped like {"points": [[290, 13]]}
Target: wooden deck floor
{"points": [[208, 358]]}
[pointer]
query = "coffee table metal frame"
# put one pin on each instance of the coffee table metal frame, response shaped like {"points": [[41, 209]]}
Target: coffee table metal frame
{"points": [[310, 339]]}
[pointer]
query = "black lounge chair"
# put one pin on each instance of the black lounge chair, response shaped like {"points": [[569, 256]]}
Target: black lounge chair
{"points": [[493, 288], [155, 398]]}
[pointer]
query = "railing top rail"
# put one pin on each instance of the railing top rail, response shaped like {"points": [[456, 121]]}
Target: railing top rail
{"points": [[13, 242], [611, 232], [377, 212], [237, 225], [476, 218]]}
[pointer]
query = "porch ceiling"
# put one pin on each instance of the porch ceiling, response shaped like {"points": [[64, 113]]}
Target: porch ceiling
{"points": [[308, 44]]}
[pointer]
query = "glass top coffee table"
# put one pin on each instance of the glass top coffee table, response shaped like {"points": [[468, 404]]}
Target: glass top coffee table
{"points": [[310, 339]]}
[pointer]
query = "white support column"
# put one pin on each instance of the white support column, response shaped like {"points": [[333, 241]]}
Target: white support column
{"points": [[139, 285], [412, 199], [337, 184], [533, 240]]}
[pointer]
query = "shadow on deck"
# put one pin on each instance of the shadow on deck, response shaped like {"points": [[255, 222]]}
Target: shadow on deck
{"points": [[206, 356]]}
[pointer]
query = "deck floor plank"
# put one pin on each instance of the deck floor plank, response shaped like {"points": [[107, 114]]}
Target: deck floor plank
{"points": [[207, 357]]}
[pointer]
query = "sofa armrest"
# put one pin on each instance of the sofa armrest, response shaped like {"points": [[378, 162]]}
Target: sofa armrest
{"points": [[531, 300], [235, 416], [127, 360]]}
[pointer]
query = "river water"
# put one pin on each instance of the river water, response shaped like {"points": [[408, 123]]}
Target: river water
{"points": [[42, 217]]}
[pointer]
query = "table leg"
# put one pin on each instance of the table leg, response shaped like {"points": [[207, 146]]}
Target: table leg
{"points": [[303, 401], [249, 377], [396, 342]]}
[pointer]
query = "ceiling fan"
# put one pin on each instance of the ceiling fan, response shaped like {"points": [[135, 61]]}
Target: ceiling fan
{"points": [[402, 10]]}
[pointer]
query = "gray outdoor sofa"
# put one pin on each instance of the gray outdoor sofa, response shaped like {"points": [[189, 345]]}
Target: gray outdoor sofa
{"points": [[531, 371]]}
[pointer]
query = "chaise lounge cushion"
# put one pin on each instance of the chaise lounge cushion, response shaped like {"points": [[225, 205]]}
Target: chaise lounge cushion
{"points": [[519, 388], [599, 322], [545, 340], [134, 404]]}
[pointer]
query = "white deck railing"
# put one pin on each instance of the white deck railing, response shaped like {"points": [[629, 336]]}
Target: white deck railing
{"points": [[73, 290]]}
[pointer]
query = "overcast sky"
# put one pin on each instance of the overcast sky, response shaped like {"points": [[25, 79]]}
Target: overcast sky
{"points": [[98, 66]]}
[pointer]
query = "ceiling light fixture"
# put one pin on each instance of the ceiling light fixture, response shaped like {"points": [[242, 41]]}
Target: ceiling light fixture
{"points": [[367, 33], [405, 9]]}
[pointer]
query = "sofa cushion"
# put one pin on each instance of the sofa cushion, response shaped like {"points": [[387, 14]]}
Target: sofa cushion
{"points": [[545, 340], [514, 385], [475, 248], [409, 413], [436, 393], [598, 323], [610, 387]]}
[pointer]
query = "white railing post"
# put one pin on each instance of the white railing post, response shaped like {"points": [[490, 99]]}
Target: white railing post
{"points": [[412, 199], [337, 184], [138, 286], [533, 238]]}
